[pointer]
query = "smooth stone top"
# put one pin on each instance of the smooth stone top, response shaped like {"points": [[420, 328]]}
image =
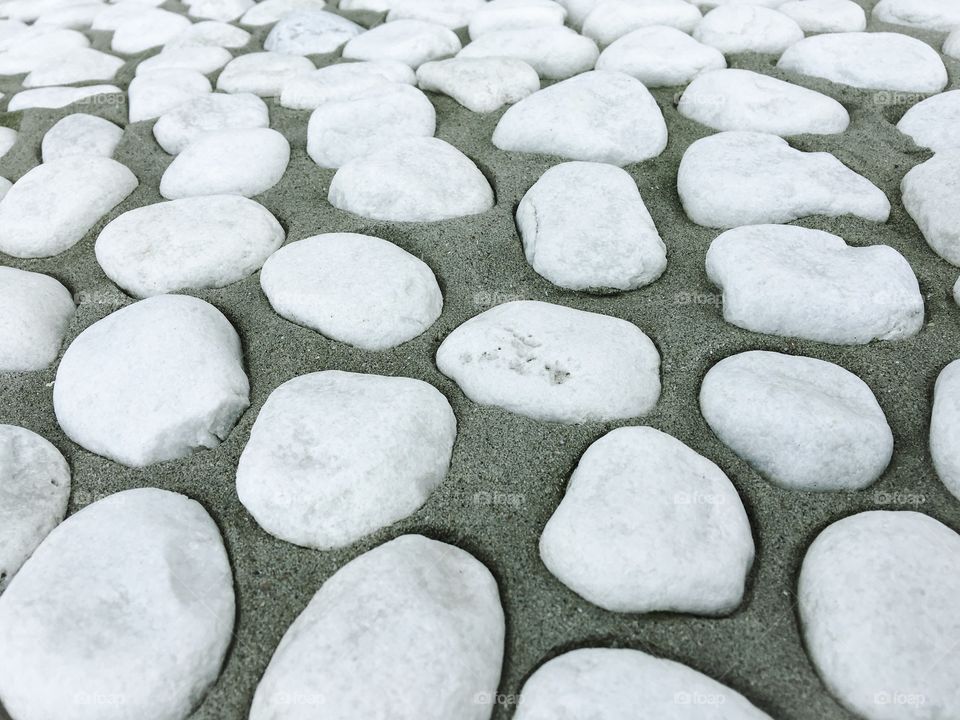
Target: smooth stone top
{"points": [[412, 42], [8, 138], [660, 56], [610, 20], [747, 28], [825, 16], [945, 426], [951, 46], [77, 66], [268, 12], [342, 81], [499, 15], [261, 73], [177, 128], [554, 363], [935, 15], [931, 195], [35, 312], [452, 14], [210, 33], [935, 122], [147, 28], [160, 91], [57, 97], [80, 134], [555, 52], [480, 84], [223, 10], [310, 32], [205, 59]]}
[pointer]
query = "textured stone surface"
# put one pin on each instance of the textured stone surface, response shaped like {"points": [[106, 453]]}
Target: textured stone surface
{"points": [[610, 20], [35, 312], [660, 56], [310, 32], [934, 123], [160, 91], [945, 427], [480, 84], [261, 73], [931, 195], [556, 53], [80, 134], [342, 81], [741, 28], [412, 42], [177, 128]]}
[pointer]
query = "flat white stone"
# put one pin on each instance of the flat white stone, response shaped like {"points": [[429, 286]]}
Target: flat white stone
{"points": [[334, 456], [613, 683], [825, 16], [343, 130], [5, 186], [8, 138], [599, 116], [747, 28], [413, 180], [746, 178], [261, 73], [141, 632], [931, 195], [152, 381], [194, 243], [203, 59], [245, 161], [74, 16], [52, 207], [936, 15], [367, 5], [114, 15], [155, 93], [451, 14], [356, 289], [649, 525], [945, 424], [414, 618], [480, 84], [803, 423], [868, 60], [935, 122], [951, 46], [58, 97], [309, 32], [610, 20], [32, 50], [80, 134], [499, 15], [660, 57], [577, 11], [77, 66], [342, 81], [149, 28], [222, 10], [35, 312], [797, 282], [177, 128], [556, 53], [554, 363], [34, 491], [734, 99], [267, 12], [210, 33], [412, 42], [877, 599], [10, 30], [584, 227]]}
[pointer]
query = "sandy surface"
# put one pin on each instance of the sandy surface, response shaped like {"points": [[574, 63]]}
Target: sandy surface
{"points": [[508, 473]]}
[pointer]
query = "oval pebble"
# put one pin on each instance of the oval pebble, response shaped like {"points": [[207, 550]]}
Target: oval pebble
{"points": [[80, 134], [480, 84], [945, 427], [745, 28], [152, 94], [267, 12], [660, 56], [412, 42], [35, 312], [514, 15], [177, 128], [210, 33], [825, 16], [261, 73], [931, 196], [555, 52], [310, 32], [204, 59], [342, 81], [612, 19], [934, 122], [58, 97], [77, 66], [147, 28]]}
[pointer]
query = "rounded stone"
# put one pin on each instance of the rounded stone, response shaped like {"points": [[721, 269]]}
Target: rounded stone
{"points": [[35, 312]]}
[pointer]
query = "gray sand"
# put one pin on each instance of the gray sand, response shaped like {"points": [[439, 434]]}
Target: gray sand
{"points": [[509, 473]]}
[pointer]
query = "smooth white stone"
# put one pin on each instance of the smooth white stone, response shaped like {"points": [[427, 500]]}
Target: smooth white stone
{"points": [[452, 14], [412, 42], [638, 488], [584, 227], [334, 456], [113, 16], [10, 30], [311, 32], [58, 97], [736, 99], [556, 53], [34, 491], [414, 619], [52, 207], [35, 312], [356, 289], [945, 424], [613, 683], [8, 138], [125, 610], [221, 10], [747, 28], [825, 16], [177, 128], [515, 15], [951, 46], [210, 33], [599, 116], [868, 60], [612, 19], [33, 50], [935, 122], [931, 195], [80, 134], [342, 81], [154, 93], [32, 10], [199, 58], [877, 599], [413, 180], [797, 282], [149, 28], [74, 17], [480, 84], [935, 15], [245, 161], [956, 291], [261, 73], [553, 363], [77, 66], [660, 57], [5, 186], [577, 11], [267, 12], [152, 381], [343, 130], [194, 243], [802, 423], [746, 178]]}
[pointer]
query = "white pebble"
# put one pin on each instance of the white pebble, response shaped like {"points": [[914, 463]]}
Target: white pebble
{"points": [[310, 32], [610, 20], [452, 14], [951, 46], [825, 16], [515, 15], [77, 66], [945, 425], [154, 93], [80, 134], [148, 28], [203, 59], [261, 73], [35, 312], [935, 15], [931, 195], [33, 50], [267, 12], [934, 123], [222, 10], [342, 81], [210, 33], [177, 128], [555, 52], [660, 57], [412, 42], [58, 97], [480, 84], [748, 28]]}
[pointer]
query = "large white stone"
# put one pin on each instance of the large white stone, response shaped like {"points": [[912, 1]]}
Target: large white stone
{"points": [[612, 19], [599, 116], [80, 134], [577, 11], [877, 599], [77, 66], [125, 610], [177, 128], [584, 227], [935, 122], [343, 130], [222, 10], [482, 84], [825, 16], [343, 81], [152, 381], [204, 59], [452, 14], [797, 282], [951, 46], [52, 207], [210, 33], [936, 15], [747, 28], [268, 12], [34, 490], [261, 73], [736, 99], [58, 97], [869, 60], [614, 683], [155, 93], [35, 312], [412, 42], [412, 630], [245, 161], [747, 178], [146, 29], [555, 52], [931, 195], [660, 56], [945, 426], [309, 32], [649, 525], [114, 15], [357, 289], [499, 15], [413, 180], [803, 423], [32, 50], [553, 363], [193, 243], [334, 456]]}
